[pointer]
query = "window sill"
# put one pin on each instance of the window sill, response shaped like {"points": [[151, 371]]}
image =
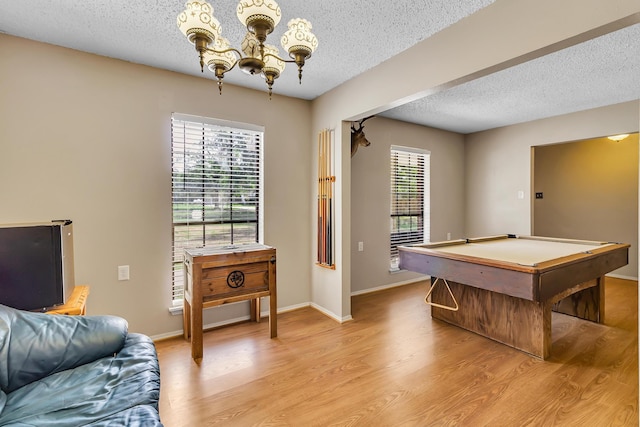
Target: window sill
{"points": [[176, 310]]}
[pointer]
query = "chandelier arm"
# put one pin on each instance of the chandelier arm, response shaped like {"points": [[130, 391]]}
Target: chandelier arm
{"points": [[220, 52], [231, 49], [299, 63], [280, 59]]}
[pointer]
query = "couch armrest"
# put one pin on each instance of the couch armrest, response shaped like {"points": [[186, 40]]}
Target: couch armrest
{"points": [[34, 345]]}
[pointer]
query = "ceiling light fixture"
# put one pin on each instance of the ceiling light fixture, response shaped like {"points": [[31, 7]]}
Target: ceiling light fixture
{"points": [[618, 137], [260, 17]]}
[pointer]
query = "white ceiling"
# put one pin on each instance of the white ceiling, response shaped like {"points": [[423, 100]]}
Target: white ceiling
{"points": [[595, 73]]}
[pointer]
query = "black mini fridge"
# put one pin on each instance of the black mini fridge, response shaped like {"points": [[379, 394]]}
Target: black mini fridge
{"points": [[36, 264]]}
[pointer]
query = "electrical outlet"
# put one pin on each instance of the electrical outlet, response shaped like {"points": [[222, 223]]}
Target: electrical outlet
{"points": [[123, 272]]}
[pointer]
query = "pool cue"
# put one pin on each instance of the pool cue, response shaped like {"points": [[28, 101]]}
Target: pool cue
{"points": [[324, 198], [330, 197], [321, 180], [319, 235]]}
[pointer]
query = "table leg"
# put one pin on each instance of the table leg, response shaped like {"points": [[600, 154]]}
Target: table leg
{"points": [[196, 312], [186, 318], [255, 310], [586, 303], [273, 315], [196, 330], [273, 299]]}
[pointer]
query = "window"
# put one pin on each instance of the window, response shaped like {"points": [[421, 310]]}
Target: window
{"points": [[216, 186], [409, 199]]}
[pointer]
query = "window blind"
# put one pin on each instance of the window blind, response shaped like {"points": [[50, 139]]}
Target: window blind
{"points": [[216, 187], [409, 199]]}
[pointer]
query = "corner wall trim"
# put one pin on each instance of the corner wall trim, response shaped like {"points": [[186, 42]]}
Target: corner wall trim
{"points": [[331, 314]]}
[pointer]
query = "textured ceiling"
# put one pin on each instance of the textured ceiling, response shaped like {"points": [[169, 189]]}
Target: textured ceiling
{"points": [[145, 32], [599, 72]]}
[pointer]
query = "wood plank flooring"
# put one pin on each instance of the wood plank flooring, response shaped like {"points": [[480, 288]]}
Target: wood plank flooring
{"points": [[395, 366]]}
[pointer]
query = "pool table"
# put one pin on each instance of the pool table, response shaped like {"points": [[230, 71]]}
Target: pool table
{"points": [[506, 286]]}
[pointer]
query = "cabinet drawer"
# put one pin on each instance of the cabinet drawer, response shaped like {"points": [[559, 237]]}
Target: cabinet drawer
{"points": [[235, 279]]}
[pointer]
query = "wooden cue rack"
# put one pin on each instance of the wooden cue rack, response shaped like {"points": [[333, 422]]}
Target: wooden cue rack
{"points": [[326, 182]]}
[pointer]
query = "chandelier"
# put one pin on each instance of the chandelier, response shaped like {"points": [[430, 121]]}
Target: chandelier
{"points": [[260, 17]]}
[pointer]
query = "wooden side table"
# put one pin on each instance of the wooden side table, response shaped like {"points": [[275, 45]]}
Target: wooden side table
{"points": [[222, 275], [77, 303]]}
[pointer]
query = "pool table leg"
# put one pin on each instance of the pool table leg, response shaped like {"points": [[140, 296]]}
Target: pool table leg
{"points": [[587, 303], [516, 322]]}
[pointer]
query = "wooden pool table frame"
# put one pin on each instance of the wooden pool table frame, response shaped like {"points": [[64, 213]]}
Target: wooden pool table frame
{"points": [[512, 303]]}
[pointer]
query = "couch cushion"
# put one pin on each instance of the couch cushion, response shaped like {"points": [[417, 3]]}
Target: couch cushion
{"points": [[3, 400], [138, 416], [93, 392], [34, 345]]}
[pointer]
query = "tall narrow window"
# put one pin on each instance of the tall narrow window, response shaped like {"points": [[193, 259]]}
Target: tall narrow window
{"points": [[216, 186], [409, 199]]}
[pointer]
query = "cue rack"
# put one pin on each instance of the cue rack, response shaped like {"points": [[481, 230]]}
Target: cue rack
{"points": [[326, 182]]}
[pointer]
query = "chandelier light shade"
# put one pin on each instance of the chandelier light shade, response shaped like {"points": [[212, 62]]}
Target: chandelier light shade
{"points": [[250, 46], [273, 65], [219, 60], [199, 26], [260, 17], [299, 37], [198, 18], [300, 42]]}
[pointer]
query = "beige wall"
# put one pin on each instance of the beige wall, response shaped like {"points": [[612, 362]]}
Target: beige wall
{"points": [[88, 138], [590, 191], [498, 164], [370, 196]]}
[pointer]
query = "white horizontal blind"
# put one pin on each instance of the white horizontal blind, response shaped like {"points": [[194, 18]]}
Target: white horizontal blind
{"points": [[216, 187], [409, 199]]}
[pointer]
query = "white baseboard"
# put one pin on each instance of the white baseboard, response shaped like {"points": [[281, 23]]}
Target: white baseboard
{"points": [[331, 314], [392, 285], [263, 313], [204, 327]]}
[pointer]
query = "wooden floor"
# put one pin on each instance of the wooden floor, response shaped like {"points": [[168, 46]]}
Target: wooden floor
{"points": [[395, 366]]}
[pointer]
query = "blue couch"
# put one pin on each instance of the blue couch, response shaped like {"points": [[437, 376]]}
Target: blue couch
{"points": [[60, 370]]}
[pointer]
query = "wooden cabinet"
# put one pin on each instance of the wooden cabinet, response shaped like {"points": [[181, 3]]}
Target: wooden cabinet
{"points": [[222, 275]]}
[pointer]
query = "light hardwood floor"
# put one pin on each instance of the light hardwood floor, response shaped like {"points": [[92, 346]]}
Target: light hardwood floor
{"points": [[395, 366]]}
